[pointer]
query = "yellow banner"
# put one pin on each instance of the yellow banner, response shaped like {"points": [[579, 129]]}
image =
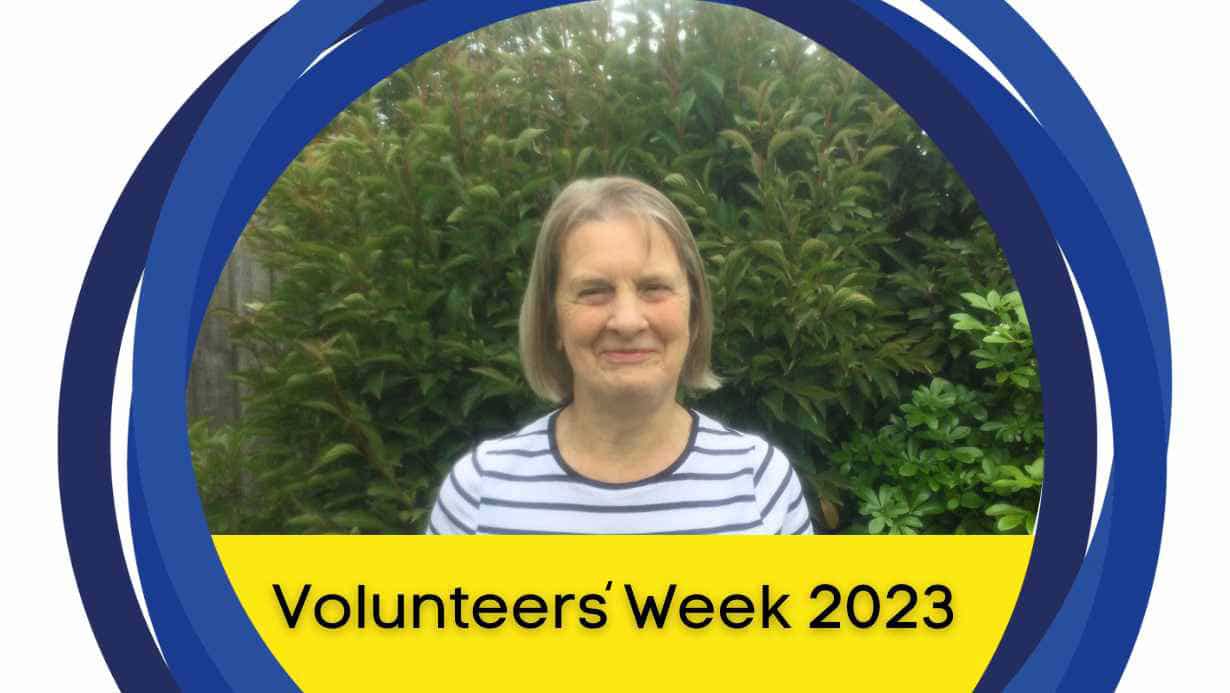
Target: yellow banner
{"points": [[344, 613]]}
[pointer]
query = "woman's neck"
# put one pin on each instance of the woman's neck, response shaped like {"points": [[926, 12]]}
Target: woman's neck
{"points": [[622, 441]]}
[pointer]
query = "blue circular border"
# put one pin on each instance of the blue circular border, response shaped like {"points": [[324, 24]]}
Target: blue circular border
{"points": [[1057, 181]]}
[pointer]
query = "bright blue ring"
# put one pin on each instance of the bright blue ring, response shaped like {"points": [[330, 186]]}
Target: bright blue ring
{"points": [[206, 637], [1103, 617], [1108, 599], [1024, 58]]}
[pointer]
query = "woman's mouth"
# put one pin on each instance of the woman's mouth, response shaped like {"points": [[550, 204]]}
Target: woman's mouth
{"points": [[627, 355]]}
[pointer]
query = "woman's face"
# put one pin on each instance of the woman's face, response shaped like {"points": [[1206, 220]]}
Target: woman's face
{"points": [[622, 306]]}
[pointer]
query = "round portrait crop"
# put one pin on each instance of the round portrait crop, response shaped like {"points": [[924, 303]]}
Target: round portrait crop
{"points": [[511, 277]]}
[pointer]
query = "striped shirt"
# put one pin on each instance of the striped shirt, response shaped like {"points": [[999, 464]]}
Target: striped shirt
{"points": [[724, 482]]}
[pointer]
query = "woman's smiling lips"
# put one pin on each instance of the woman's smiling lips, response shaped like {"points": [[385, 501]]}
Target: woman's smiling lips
{"points": [[627, 355]]}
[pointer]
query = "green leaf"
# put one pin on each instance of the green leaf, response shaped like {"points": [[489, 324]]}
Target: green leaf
{"points": [[485, 191], [773, 400], [739, 140], [965, 322], [1035, 470], [813, 246], [976, 301], [321, 405], [374, 385], [877, 152], [335, 453], [1008, 522], [496, 376], [675, 180], [583, 157], [685, 105], [305, 520], [299, 379], [971, 500], [527, 136], [386, 357], [781, 139], [967, 455], [473, 396], [359, 519], [715, 81], [384, 489], [458, 261], [771, 249]]}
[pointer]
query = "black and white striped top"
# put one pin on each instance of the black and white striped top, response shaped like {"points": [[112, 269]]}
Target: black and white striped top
{"points": [[725, 482]]}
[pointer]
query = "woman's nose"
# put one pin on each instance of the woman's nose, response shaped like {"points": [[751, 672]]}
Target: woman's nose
{"points": [[627, 313]]}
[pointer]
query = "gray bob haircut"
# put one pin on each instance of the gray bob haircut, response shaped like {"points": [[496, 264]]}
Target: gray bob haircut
{"points": [[607, 199]]}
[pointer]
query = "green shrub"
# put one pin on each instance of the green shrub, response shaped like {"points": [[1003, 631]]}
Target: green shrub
{"points": [[225, 476], [954, 458], [837, 240]]}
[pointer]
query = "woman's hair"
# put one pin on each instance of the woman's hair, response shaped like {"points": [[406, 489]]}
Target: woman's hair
{"points": [[606, 199]]}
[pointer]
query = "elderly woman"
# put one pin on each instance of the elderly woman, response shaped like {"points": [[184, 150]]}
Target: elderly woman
{"points": [[615, 319]]}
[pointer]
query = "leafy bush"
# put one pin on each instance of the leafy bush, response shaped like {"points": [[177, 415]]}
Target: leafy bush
{"points": [[953, 458], [224, 477], [838, 241]]}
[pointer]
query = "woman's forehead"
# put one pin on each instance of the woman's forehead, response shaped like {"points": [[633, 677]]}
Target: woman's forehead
{"points": [[618, 244]]}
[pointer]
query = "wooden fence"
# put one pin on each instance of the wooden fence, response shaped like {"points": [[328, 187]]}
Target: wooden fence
{"points": [[211, 392]]}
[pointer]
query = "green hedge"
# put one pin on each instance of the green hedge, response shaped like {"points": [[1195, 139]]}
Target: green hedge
{"points": [[866, 320]]}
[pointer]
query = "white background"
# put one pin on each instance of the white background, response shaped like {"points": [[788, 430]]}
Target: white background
{"points": [[89, 89]]}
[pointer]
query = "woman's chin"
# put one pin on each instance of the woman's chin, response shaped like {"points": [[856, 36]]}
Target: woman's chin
{"points": [[632, 388]]}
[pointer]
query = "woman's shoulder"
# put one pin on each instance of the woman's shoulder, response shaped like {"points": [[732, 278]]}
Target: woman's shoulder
{"points": [[715, 436], [711, 430], [492, 456], [526, 443], [538, 428]]}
